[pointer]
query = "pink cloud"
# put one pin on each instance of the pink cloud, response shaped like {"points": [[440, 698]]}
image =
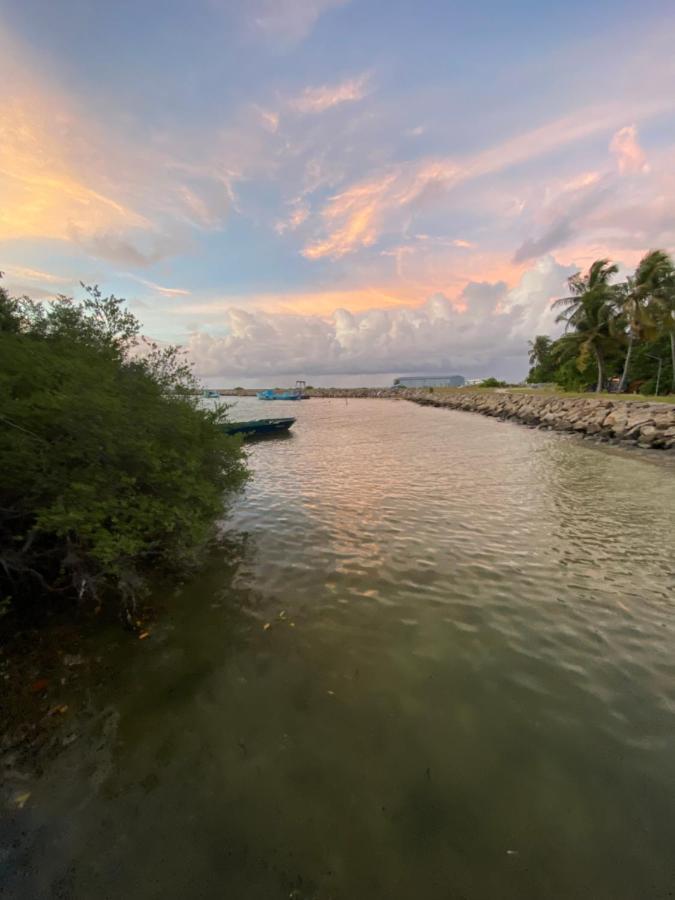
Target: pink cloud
{"points": [[319, 99], [629, 154], [356, 217]]}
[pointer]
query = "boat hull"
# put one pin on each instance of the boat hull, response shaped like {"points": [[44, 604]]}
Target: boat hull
{"points": [[279, 395], [259, 427]]}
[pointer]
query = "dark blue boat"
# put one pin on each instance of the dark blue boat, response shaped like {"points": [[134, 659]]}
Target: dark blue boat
{"points": [[258, 427]]}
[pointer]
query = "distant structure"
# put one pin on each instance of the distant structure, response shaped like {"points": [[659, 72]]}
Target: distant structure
{"points": [[472, 382], [422, 381]]}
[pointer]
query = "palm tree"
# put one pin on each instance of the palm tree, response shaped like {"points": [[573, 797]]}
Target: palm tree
{"points": [[662, 292], [589, 311], [666, 300], [635, 301], [539, 348]]}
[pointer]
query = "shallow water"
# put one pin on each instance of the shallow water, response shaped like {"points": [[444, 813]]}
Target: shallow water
{"points": [[467, 689]]}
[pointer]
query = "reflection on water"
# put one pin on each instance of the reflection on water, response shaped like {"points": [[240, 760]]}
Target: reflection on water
{"points": [[467, 688]]}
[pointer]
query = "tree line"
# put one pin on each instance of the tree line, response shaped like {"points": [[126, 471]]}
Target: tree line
{"points": [[617, 334], [110, 470]]}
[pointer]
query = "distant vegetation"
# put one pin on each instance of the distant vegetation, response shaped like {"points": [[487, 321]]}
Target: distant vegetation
{"points": [[109, 469], [617, 334]]}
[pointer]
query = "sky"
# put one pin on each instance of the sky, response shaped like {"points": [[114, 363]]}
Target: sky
{"points": [[338, 190]]}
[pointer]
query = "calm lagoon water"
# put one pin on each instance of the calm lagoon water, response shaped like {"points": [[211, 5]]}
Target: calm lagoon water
{"points": [[466, 689]]}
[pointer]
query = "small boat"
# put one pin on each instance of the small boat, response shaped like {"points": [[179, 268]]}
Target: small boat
{"points": [[258, 427], [279, 395], [210, 395]]}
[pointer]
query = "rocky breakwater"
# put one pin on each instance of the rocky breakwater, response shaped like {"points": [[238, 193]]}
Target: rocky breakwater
{"points": [[648, 425]]}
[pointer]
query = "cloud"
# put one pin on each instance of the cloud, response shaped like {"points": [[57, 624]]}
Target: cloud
{"points": [[22, 272], [22, 280], [558, 233], [269, 118], [356, 217], [564, 213], [164, 291], [630, 157], [65, 175], [290, 21], [299, 213], [485, 331], [387, 202], [121, 249], [43, 193], [319, 99], [204, 200]]}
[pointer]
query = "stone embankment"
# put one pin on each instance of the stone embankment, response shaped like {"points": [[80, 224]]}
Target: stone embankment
{"points": [[637, 422], [648, 425]]}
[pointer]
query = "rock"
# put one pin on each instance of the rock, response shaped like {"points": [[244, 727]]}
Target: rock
{"points": [[627, 423]]}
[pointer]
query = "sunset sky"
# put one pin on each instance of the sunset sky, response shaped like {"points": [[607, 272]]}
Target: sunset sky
{"points": [[342, 190]]}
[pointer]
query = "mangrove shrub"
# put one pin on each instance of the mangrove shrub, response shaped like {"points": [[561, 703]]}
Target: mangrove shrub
{"points": [[109, 468]]}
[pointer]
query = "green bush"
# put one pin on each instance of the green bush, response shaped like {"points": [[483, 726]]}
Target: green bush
{"points": [[109, 468], [492, 382], [648, 387]]}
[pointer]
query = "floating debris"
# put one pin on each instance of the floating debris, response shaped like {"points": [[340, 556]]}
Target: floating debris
{"points": [[266, 626], [61, 710], [38, 686], [20, 800], [143, 635]]}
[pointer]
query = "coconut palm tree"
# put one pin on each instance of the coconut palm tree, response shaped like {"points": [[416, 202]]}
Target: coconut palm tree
{"points": [[667, 302], [636, 302], [590, 312], [539, 348], [662, 292]]}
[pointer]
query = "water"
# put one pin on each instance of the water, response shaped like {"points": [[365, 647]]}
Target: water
{"points": [[467, 689]]}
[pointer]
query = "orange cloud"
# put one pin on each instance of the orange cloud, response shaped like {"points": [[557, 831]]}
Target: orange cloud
{"points": [[356, 217], [319, 99], [24, 273], [299, 214], [42, 193]]}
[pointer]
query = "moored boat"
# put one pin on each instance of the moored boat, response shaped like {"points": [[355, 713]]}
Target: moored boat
{"points": [[258, 427], [279, 395]]}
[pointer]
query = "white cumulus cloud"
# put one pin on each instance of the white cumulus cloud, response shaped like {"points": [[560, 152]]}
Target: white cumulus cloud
{"points": [[485, 332]]}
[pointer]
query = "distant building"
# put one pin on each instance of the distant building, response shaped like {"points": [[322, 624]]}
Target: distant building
{"points": [[472, 382], [426, 381]]}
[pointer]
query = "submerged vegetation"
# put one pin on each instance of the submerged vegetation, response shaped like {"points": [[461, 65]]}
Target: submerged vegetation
{"points": [[617, 334], [109, 468]]}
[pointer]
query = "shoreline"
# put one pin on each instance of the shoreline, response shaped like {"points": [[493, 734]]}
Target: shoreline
{"points": [[647, 424], [650, 426]]}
